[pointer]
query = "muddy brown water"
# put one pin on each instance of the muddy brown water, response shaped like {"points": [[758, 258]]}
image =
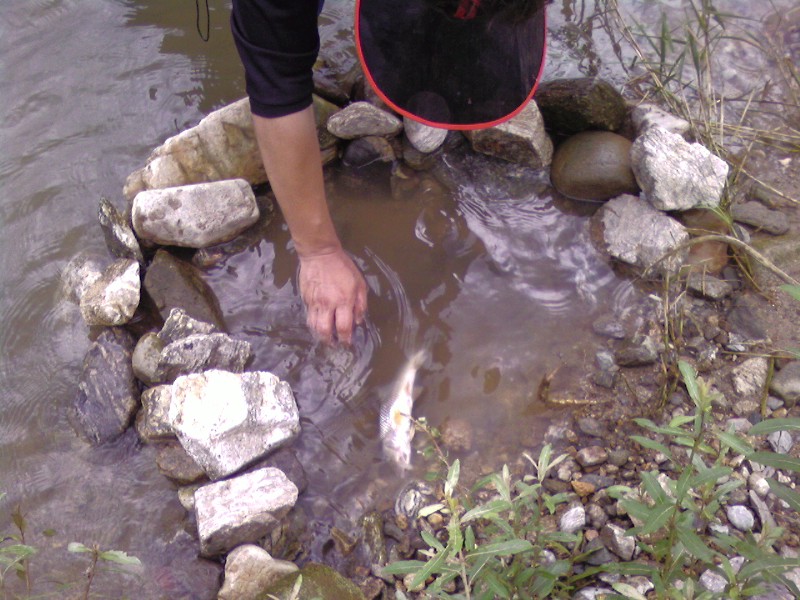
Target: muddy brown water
{"points": [[496, 277]]}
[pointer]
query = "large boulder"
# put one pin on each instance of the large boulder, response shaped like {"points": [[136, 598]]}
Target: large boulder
{"points": [[107, 392], [521, 140], [241, 510], [226, 421], [195, 216], [677, 175]]}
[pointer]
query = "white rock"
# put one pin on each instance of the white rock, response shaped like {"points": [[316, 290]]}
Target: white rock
{"points": [[225, 420], [361, 119], [750, 377], [676, 175], [423, 137], [645, 116], [241, 510], [573, 520], [79, 274], [113, 298], [195, 216], [781, 441], [249, 570], [636, 233], [741, 517]]}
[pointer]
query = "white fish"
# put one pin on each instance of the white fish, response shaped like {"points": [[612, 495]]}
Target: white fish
{"points": [[397, 426]]}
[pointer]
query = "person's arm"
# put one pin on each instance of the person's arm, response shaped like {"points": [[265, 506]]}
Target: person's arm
{"points": [[332, 287]]}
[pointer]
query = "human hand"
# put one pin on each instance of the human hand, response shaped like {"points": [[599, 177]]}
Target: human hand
{"points": [[335, 295]]}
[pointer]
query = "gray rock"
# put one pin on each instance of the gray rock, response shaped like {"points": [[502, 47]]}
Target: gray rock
{"points": [[705, 285], [107, 392], [226, 421], [197, 215], [113, 299], [635, 233], [286, 460], [145, 358], [639, 351], [361, 119], [423, 137], [241, 510], [573, 520], [80, 274], [786, 383], [740, 517], [249, 570], [180, 325], [521, 140], [120, 239], [781, 441], [592, 456], [615, 540], [368, 150], [152, 421], [173, 283], [783, 252], [593, 166], [175, 464], [221, 146], [676, 175], [596, 515], [592, 427], [750, 377], [645, 116], [713, 581], [608, 326], [600, 555], [320, 582], [573, 105], [414, 495], [764, 514], [203, 352], [759, 216]]}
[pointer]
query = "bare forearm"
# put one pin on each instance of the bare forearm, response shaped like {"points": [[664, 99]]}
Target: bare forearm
{"points": [[291, 156]]}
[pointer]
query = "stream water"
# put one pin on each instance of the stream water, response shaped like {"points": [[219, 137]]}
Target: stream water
{"points": [[498, 278]]}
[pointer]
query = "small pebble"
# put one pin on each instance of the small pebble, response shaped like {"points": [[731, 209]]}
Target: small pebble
{"points": [[573, 520], [741, 517]]}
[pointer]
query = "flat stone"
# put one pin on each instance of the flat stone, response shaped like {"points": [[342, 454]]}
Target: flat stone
{"points": [[249, 570], [635, 233], [573, 105], [202, 352], [676, 175], [119, 236], [593, 166], [520, 140], [113, 299], [180, 325], [174, 283], [704, 285], [107, 396], [361, 119], [759, 216], [197, 215], [241, 510], [226, 420], [645, 116], [152, 421]]}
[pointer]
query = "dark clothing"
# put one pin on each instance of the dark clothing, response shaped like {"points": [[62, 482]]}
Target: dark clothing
{"points": [[278, 44]]}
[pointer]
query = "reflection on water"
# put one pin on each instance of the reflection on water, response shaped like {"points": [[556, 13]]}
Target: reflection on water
{"points": [[480, 263]]}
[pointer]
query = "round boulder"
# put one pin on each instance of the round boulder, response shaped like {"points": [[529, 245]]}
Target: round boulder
{"points": [[593, 165]]}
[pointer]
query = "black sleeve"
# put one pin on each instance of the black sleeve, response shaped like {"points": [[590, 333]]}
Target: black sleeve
{"points": [[278, 42]]}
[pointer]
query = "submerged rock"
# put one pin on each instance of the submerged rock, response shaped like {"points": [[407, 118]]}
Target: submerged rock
{"points": [[152, 421], [593, 165], [367, 150], [195, 216], [112, 299], [241, 510], [249, 570], [107, 392], [759, 216], [319, 582], [226, 421], [676, 175], [521, 140], [635, 233], [361, 119], [573, 105], [175, 464], [221, 146], [174, 283], [202, 352]]}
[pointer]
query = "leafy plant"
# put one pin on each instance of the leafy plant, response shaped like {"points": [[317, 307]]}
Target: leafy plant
{"points": [[98, 556], [14, 552], [497, 547], [671, 515]]}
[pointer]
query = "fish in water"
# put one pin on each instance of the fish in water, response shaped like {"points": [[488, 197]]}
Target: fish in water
{"points": [[397, 425]]}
